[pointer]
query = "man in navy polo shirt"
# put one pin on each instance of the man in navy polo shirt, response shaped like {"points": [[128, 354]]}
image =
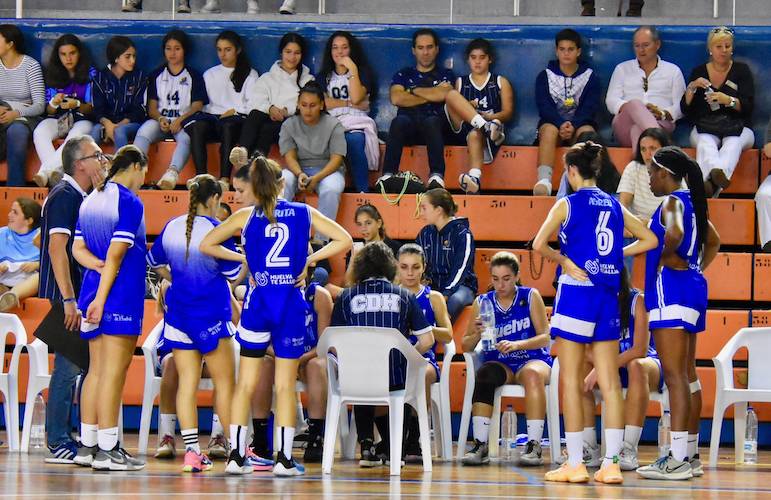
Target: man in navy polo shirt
{"points": [[419, 92], [84, 165]]}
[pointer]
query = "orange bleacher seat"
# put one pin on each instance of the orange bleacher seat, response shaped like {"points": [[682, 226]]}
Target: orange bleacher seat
{"points": [[9, 194], [734, 221], [729, 277], [721, 326]]}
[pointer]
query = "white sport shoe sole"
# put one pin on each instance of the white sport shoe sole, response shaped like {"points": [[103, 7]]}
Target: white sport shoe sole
{"points": [[233, 468], [281, 471]]}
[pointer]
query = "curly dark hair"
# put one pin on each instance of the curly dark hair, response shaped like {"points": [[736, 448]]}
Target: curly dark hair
{"points": [[375, 260]]}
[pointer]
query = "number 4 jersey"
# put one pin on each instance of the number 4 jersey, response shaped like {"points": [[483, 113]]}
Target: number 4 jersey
{"points": [[592, 235]]}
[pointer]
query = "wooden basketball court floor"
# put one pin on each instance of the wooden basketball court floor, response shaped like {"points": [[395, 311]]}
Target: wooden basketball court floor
{"points": [[26, 476]]}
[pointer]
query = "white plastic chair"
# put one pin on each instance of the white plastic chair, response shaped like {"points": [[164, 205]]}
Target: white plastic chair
{"points": [[153, 383], [441, 416], [39, 379], [9, 381], [758, 344], [508, 391], [662, 398], [362, 377]]}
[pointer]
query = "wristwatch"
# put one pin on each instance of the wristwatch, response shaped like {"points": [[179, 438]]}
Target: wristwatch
{"points": [[732, 104]]}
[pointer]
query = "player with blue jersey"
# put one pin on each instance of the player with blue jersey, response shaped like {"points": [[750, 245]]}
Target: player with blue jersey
{"points": [[591, 227], [487, 95], [412, 267], [640, 372], [519, 356], [275, 235], [198, 311], [110, 244], [676, 299]]}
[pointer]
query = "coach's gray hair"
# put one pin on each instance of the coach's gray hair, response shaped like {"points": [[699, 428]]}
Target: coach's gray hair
{"points": [[652, 29], [71, 152]]}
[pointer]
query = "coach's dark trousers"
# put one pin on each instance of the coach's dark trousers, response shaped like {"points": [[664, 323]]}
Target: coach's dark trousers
{"points": [[407, 130]]}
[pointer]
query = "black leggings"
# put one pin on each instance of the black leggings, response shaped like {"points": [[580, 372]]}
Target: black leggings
{"points": [[259, 133], [489, 377], [224, 130]]}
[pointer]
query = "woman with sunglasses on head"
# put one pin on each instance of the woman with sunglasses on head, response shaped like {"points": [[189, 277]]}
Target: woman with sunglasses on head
{"points": [[719, 101]]}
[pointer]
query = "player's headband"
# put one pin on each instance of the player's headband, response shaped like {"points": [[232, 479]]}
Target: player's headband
{"points": [[658, 164]]}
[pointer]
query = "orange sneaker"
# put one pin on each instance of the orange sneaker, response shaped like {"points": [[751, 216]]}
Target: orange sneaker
{"points": [[568, 474], [610, 474]]}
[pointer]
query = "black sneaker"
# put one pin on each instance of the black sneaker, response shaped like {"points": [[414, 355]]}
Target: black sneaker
{"points": [[116, 459], [287, 467], [412, 453], [237, 464], [314, 452], [369, 454]]}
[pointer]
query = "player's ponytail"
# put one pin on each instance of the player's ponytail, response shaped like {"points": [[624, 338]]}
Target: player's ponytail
{"points": [[265, 175], [681, 166], [624, 299], [126, 157], [201, 187], [507, 259], [440, 197], [586, 157]]}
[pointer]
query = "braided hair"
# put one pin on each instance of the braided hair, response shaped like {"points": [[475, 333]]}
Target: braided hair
{"points": [[124, 159], [681, 166], [202, 187]]}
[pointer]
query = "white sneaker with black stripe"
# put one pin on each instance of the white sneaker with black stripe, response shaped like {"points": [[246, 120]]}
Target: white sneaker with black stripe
{"points": [[667, 468]]}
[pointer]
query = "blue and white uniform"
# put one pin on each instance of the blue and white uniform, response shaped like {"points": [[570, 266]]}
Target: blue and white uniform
{"points": [[311, 318], [592, 237], [114, 214], [198, 301], [176, 93], [274, 309], [515, 324], [627, 341], [488, 100], [424, 301], [673, 298]]}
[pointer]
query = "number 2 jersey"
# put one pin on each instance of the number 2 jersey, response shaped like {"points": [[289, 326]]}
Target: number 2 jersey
{"points": [[592, 237]]}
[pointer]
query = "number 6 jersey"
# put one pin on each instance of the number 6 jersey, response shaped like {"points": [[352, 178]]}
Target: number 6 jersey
{"points": [[592, 235]]}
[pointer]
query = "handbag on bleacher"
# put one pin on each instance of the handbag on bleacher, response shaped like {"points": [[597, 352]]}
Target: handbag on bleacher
{"points": [[404, 182]]}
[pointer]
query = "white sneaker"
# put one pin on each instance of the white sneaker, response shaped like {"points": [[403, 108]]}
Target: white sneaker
{"points": [[667, 468], [211, 7], [494, 130], [542, 188], [252, 7], [435, 181], [287, 7], [628, 457], [591, 456], [169, 179], [697, 469]]}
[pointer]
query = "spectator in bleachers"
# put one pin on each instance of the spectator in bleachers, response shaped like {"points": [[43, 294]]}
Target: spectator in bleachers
{"points": [[176, 94], [567, 94], [634, 189], [19, 256], [482, 102], [119, 95], [449, 248], [644, 92], [763, 200], [635, 8], [275, 100], [252, 7], [69, 95], [230, 86], [22, 99], [347, 81], [419, 93], [608, 178], [313, 146], [719, 101]]}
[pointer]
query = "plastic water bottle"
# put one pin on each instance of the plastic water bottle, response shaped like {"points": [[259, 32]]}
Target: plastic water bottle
{"points": [[751, 438], [712, 105], [37, 435], [664, 438], [508, 450], [487, 315]]}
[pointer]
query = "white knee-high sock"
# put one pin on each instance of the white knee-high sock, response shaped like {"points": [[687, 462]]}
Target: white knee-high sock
{"points": [[238, 438], [481, 428], [287, 438], [575, 445]]}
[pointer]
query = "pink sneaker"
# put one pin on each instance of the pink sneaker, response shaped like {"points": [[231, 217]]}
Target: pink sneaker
{"points": [[196, 462], [257, 462]]}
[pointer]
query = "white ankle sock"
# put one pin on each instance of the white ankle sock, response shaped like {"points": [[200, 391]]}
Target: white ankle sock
{"points": [[478, 121], [589, 435], [107, 438], [632, 435], [88, 434], [216, 426], [480, 427], [693, 445], [535, 430], [575, 444], [287, 438], [238, 438], [613, 439], [679, 446], [167, 425], [190, 437]]}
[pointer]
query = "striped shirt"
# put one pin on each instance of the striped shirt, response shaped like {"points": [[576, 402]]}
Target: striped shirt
{"points": [[118, 99], [60, 213], [23, 87], [449, 256], [635, 180]]}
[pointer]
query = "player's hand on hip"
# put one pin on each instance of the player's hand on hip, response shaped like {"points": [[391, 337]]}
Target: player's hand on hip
{"points": [[572, 270]]}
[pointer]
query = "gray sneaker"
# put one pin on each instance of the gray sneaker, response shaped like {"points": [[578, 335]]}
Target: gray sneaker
{"points": [[478, 455], [132, 6], [667, 468], [697, 469], [85, 456], [628, 457], [532, 455], [116, 459], [591, 456]]}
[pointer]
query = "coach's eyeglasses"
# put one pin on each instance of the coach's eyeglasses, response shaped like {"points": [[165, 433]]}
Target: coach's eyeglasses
{"points": [[98, 155]]}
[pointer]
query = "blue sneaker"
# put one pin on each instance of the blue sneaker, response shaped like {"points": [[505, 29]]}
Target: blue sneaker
{"points": [[257, 462], [63, 453]]}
